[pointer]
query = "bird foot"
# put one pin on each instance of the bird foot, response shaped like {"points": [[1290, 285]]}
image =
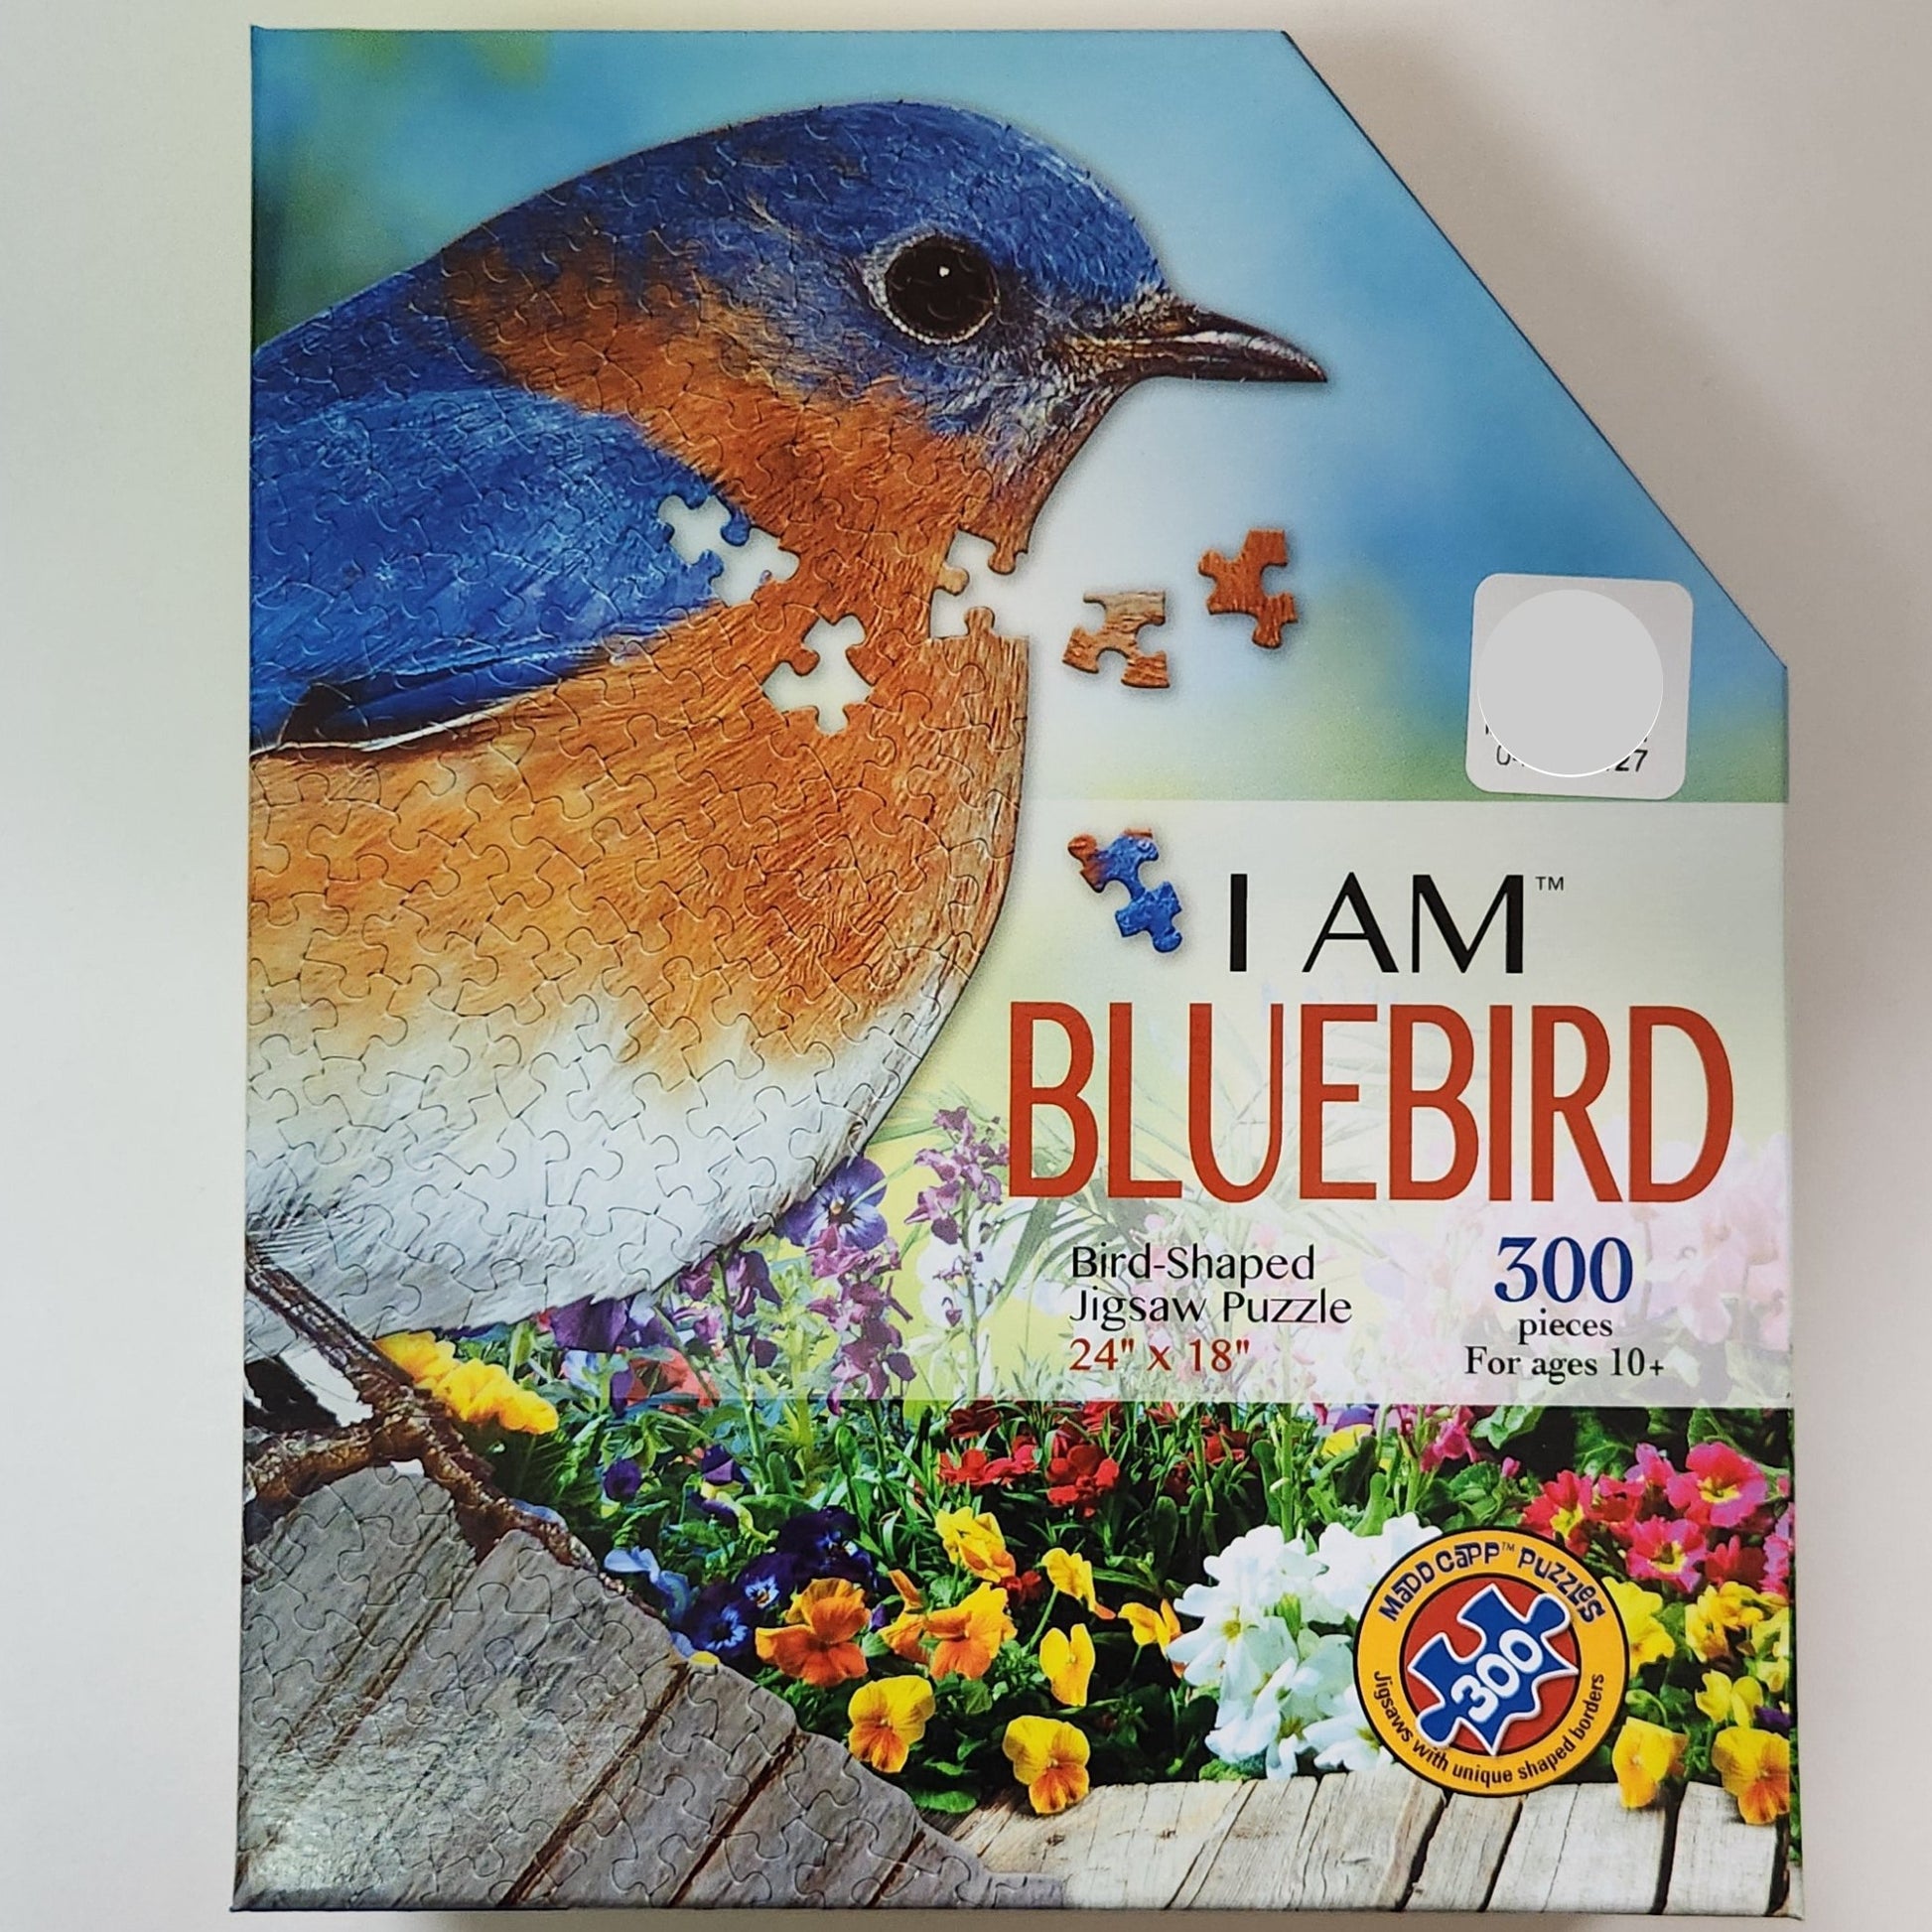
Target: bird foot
{"points": [[405, 1424]]}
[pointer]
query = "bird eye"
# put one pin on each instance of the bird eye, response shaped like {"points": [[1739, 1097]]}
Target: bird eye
{"points": [[940, 289]]}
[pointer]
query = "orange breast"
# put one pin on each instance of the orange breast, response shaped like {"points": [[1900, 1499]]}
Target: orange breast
{"points": [[654, 832]]}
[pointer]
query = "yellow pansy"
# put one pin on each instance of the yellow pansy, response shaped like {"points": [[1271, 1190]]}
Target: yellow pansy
{"points": [[1638, 1608], [1160, 1627], [1073, 1576], [888, 1719], [975, 1544], [1049, 1757], [480, 1393], [1756, 1766], [420, 1355], [1067, 1659], [1643, 1756], [1769, 1644], [905, 1636], [1721, 1610], [1341, 1442], [1726, 1701]]}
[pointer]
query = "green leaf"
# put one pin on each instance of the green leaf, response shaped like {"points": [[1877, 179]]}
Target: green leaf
{"points": [[1503, 1425], [957, 1803]]}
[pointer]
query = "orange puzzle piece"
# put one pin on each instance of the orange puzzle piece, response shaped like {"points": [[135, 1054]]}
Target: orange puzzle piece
{"points": [[1238, 589], [1125, 614]]}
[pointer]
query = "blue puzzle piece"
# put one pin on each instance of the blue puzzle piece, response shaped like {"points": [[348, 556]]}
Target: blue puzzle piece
{"points": [[1499, 1681], [1152, 909]]}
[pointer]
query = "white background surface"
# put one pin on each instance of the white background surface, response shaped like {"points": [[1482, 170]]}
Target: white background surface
{"points": [[1710, 217]]}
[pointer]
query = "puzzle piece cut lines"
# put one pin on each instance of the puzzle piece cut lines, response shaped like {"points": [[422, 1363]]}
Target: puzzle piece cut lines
{"points": [[831, 687], [744, 563]]}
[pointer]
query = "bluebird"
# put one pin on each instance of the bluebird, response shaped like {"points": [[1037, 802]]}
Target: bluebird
{"points": [[572, 957]]}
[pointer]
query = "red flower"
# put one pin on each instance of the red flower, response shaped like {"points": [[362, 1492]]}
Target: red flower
{"points": [[1079, 1475], [1220, 1444], [1098, 1417], [1718, 1486], [975, 1419], [978, 1470], [1027, 1587], [1562, 1511], [1667, 1552], [974, 1470], [1733, 1561]]}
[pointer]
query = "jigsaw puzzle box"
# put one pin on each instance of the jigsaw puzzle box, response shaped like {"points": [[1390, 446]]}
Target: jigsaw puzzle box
{"points": [[1017, 1091]]}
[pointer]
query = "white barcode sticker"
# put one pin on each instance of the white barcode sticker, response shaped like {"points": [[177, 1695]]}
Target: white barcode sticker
{"points": [[1580, 687]]}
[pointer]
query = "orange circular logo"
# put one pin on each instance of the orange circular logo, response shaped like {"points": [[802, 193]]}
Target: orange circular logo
{"points": [[1493, 1662]]}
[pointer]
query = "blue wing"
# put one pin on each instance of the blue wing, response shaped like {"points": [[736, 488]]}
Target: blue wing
{"points": [[420, 558]]}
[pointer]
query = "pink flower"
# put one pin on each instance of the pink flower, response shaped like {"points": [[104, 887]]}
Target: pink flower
{"points": [[1718, 1486], [1777, 1559], [1451, 1442], [1562, 1512], [1666, 1552]]}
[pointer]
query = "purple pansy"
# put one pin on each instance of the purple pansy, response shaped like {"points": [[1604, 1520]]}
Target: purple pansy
{"points": [[846, 1205], [622, 1480]]}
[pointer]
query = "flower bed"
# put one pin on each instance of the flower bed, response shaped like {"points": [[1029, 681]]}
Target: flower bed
{"points": [[1051, 1595]]}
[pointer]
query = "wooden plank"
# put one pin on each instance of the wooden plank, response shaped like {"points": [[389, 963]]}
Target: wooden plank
{"points": [[1466, 1851], [651, 1822], [936, 1871], [507, 1717], [1577, 1849], [1247, 1867], [334, 1598], [1123, 1845], [1363, 1837], [1719, 1863], [819, 1831]]}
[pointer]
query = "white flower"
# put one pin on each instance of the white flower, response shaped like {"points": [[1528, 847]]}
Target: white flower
{"points": [[1300, 1689], [1253, 1575], [1343, 1740], [1352, 1565]]}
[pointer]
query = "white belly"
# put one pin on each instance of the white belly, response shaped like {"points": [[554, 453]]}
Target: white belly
{"points": [[475, 1170]]}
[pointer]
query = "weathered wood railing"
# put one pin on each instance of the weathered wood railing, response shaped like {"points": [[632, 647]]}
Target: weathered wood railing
{"points": [[418, 1728]]}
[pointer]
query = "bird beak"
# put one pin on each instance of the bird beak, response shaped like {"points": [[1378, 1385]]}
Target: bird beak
{"points": [[1170, 336]]}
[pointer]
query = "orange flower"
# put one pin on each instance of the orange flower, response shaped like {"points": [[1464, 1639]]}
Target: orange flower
{"points": [[815, 1642], [1049, 1757], [1756, 1766], [968, 1636], [905, 1636], [888, 1719]]}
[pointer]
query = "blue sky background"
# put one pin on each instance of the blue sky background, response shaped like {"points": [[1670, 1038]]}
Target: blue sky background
{"points": [[1441, 449]]}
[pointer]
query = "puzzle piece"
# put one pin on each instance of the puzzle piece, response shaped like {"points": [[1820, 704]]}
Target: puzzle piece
{"points": [[1125, 614], [1238, 589], [1150, 909], [831, 687]]}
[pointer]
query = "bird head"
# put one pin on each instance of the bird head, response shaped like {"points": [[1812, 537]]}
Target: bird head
{"points": [[966, 269]]}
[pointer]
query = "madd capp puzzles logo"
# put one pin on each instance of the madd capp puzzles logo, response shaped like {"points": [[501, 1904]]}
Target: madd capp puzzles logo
{"points": [[1493, 1662]]}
